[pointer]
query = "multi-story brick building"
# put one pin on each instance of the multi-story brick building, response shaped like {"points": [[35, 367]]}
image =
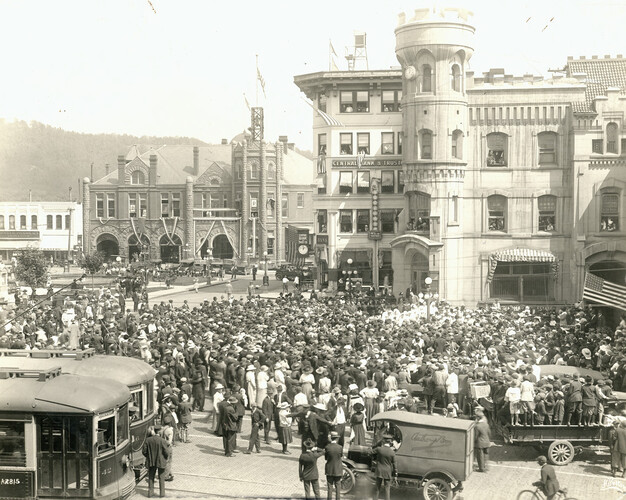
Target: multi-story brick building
{"points": [[494, 187], [176, 202]]}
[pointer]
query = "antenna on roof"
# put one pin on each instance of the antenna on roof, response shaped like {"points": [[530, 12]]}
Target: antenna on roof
{"points": [[358, 52]]}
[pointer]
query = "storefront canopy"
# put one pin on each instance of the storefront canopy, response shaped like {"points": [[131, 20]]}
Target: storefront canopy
{"points": [[521, 255]]}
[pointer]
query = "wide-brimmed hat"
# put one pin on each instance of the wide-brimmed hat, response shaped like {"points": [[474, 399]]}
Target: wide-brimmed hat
{"points": [[334, 435], [309, 443], [284, 404], [218, 386], [353, 387], [232, 400], [358, 407], [320, 406], [250, 368], [320, 370]]}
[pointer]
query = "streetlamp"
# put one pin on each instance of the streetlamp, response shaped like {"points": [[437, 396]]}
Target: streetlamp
{"points": [[428, 281], [209, 258], [266, 279]]}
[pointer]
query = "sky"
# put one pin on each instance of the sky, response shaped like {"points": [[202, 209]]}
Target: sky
{"points": [[182, 67]]}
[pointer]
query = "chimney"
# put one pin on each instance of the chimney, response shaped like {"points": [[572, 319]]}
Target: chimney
{"points": [[107, 169], [224, 141], [196, 160], [121, 169], [153, 170], [291, 145], [284, 139]]}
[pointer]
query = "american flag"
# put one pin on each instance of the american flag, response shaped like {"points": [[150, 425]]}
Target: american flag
{"points": [[604, 292], [328, 119]]}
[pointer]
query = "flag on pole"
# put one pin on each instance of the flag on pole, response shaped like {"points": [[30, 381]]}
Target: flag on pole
{"points": [[604, 292], [331, 48], [360, 158], [333, 66], [247, 103], [329, 120], [261, 80]]}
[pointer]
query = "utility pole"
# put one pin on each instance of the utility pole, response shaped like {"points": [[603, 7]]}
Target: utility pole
{"points": [[69, 238]]}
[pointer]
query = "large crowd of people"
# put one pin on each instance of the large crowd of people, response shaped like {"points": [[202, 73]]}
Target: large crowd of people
{"points": [[331, 363]]}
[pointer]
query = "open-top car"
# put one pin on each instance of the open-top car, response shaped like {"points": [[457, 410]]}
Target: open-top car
{"points": [[291, 271], [432, 452]]}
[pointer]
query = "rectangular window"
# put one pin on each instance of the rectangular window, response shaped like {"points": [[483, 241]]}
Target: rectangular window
{"points": [[363, 142], [547, 213], [271, 204], [33, 222], [68, 222], [11, 222], [391, 101], [321, 185], [597, 146], [454, 209], [357, 101], [321, 144], [363, 181], [322, 221], [345, 182], [386, 143], [143, 205], [1, 222], [400, 181], [346, 144], [496, 145], [299, 200], [22, 222], [110, 205], [362, 221], [345, 221], [547, 148], [285, 206], [497, 213], [623, 146], [165, 205], [59, 222], [270, 242], [609, 212], [400, 142], [388, 221], [175, 204], [427, 146], [12, 444], [49, 224], [386, 181], [99, 208], [132, 205], [206, 200], [321, 101], [254, 204]]}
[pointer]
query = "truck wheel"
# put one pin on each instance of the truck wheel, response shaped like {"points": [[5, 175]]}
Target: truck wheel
{"points": [[560, 452], [347, 481], [437, 488], [279, 276]]}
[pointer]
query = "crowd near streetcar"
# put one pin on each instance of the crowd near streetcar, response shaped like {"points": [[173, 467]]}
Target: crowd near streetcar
{"points": [[95, 393]]}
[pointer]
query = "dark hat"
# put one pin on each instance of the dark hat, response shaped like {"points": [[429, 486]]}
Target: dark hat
{"points": [[358, 407], [309, 443], [232, 400], [334, 435], [387, 437]]}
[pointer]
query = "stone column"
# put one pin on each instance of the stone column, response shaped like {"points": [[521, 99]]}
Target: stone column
{"points": [[189, 239], [245, 205], [279, 242], [262, 230], [333, 216], [86, 216]]}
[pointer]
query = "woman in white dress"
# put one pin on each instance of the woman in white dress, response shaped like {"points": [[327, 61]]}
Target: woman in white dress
{"points": [[261, 385], [251, 383]]}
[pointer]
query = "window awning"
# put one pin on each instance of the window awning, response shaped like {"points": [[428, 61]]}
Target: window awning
{"points": [[521, 255]]}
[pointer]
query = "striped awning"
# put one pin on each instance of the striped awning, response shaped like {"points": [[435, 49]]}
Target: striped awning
{"points": [[521, 255]]}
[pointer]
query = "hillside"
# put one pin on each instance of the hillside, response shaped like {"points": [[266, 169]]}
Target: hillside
{"points": [[49, 160]]}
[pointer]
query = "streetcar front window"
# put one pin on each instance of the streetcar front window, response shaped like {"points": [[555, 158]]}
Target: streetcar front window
{"points": [[12, 444], [106, 434], [122, 424], [149, 398], [137, 409]]}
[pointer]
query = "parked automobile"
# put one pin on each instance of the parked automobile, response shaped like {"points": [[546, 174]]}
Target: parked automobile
{"points": [[292, 271]]}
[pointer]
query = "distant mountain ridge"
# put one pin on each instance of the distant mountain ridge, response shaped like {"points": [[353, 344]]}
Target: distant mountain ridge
{"points": [[49, 160]]}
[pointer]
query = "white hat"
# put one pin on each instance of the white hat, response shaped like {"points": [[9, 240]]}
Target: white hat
{"points": [[353, 387]]}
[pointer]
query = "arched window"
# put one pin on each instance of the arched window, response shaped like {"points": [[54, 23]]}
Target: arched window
{"points": [[547, 213], [497, 149], [611, 138], [497, 208], [59, 224], [11, 221], [254, 170], [426, 145], [427, 78], [609, 210], [33, 222], [271, 168], [215, 182], [455, 78], [23, 222], [137, 177], [457, 144], [547, 148], [49, 222]]}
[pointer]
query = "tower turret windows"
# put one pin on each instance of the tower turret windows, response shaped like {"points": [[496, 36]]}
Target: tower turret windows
{"points": [[611, 138], [426, 145], [427, 78], [457, 144], [455, 78]]}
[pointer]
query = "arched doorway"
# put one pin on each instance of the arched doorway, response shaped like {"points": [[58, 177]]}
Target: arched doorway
{"points": [[138, 251], [419, 272], [108, 245], [222, 249], [170, 249]]}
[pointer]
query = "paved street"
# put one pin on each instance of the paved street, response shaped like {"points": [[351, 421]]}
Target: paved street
{"points": [[202, 471]]}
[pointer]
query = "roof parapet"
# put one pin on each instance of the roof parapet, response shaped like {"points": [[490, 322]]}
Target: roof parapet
{"points": [[453, 14]]}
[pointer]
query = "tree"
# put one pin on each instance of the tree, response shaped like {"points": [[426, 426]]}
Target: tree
{"points": [[32, 268], [92, 263]]}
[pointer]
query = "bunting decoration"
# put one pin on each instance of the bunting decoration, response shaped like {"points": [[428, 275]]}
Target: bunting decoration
{"points": [[168, 233]]}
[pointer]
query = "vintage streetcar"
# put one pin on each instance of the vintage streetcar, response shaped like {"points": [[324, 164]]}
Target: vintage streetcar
{"points": [[432, 452], [133, 373], [63, 436]]}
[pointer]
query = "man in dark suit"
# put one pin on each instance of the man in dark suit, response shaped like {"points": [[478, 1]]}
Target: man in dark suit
{"points": [[549, 483], [257, 420], [385, 466], [334, 467], [309, 474], [482, 440], [156, 451], [229, 427], [267, 407]]}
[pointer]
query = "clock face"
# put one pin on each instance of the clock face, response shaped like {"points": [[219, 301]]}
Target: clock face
{"points": [[303, 249], [409, 72]]}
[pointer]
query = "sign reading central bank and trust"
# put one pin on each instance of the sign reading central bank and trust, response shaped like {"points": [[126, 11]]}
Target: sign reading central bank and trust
{"points": [[367, 162]]}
